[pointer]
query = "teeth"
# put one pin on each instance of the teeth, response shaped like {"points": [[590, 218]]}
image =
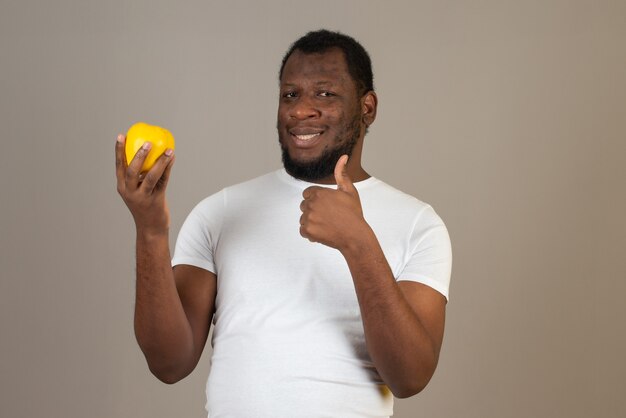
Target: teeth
{"points": [[306, 137]]}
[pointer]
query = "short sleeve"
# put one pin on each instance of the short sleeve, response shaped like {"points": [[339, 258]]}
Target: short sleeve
{"points": [[430, 253], [199, 234]]}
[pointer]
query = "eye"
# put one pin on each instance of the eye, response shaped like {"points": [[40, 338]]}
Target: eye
{"points": [[327, 94], [289, 94]]}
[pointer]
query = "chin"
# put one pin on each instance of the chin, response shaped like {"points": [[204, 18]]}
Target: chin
{"points": [[312, 169]]}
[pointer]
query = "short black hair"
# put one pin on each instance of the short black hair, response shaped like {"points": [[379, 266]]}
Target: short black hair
{"points": [[357, 58]]}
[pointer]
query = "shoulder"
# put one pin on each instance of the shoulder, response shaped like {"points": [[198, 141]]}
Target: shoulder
{"points": [[253, 187], [380, 196], [238, 193], [246, 187]]}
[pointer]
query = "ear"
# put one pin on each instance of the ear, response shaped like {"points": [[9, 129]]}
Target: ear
{"points": [[369, 103]]}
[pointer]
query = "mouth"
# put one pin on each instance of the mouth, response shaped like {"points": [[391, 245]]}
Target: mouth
{"points": [[305, 138]]}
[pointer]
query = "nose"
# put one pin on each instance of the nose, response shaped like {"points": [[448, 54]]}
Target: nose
{"points": [[304, 108]]}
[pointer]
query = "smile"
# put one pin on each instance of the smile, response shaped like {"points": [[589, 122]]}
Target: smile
{"points": [[304, 132], [307, 137]]}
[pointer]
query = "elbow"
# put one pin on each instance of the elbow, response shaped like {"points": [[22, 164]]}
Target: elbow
{"points": [[169, 375], [410, 387], [410, 384], [169, 368], [168, 379], [406, 391]]}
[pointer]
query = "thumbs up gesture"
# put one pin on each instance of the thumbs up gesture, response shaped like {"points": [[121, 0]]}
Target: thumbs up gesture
{"points": [[333, 217]]}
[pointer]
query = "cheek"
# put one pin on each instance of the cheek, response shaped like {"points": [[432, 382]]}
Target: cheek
{"points": [[345, 121], [280, 118], [335, 118], [282, 110]]}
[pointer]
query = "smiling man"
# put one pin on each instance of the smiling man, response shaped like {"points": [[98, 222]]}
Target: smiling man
{"points": [[327, 287], [322, 111]]}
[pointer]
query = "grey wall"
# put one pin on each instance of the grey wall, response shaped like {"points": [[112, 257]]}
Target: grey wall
{"points": [[508, 117]]}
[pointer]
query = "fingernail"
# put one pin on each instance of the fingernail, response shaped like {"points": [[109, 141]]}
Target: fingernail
{"points": [[169, 152], [120, 138], [146, 145]]}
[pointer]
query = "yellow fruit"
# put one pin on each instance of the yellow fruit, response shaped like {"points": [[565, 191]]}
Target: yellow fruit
{"points": [[139, 133]]}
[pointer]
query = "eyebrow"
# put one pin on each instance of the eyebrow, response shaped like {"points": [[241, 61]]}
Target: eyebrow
{"points": [[317, 83]]}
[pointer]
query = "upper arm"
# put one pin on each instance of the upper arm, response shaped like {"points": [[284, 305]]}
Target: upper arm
{"points": [[197, 289], [430, 308]]}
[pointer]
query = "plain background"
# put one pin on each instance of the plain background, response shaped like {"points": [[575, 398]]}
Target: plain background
{"points": [[508, 117]]}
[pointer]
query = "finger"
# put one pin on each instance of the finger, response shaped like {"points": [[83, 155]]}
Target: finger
{"points": [[342, 179], [154, 180], [311, 191], [120, 162], [304, 233], [165, 178], [134, 168]]}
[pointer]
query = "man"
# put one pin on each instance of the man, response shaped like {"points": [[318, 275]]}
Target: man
{"points": [[326, 286]]}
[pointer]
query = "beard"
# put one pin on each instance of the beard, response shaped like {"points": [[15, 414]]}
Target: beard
{"points": [[324, 165]]}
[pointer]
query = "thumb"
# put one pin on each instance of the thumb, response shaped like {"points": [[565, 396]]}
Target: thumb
{"points": [[344, 183]]}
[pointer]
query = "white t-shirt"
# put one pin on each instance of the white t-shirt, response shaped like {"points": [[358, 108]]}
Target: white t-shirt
{"points": [[288, 339]]}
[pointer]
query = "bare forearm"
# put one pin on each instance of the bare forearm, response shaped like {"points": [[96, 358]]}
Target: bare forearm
{"points": [[399, 345], [399, 321], [161, 326]]}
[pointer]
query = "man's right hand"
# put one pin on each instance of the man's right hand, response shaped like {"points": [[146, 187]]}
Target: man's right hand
{"points": [[144, 193]]}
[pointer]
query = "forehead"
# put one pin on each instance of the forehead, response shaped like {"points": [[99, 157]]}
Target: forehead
{"points": [[329, 66]]}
